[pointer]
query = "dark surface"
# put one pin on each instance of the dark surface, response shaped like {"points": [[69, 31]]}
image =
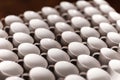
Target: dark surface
{"points": [[19, 6]]}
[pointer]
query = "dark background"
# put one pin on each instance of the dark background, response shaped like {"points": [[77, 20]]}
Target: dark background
{"points": [[19, 6]]}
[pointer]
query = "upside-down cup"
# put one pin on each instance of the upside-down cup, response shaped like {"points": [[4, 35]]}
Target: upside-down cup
{"points": [[98, 18], [14, 78], [113, 39], [37, 23], [18, 38], [41, 33], [113, 69], [105, 28], [95, 44], [55, 55], [10, 68], [87, 32], [18, 27], [48, 11], [105, 8], [47, 43], [53, 18], [12, 18], [3, 34], [5, 44], [69, 36], [8, 55], [86, 62], [64, 68], [100, 2], [65, 6], [74, 77], [73, 13], [107, 54], [61, 27], [79, 22], [40, 73], [81, 4], [34, 60], [89, 11], [28, 15], [97, 74], [27, 48], [113, 16], [76, 48]]}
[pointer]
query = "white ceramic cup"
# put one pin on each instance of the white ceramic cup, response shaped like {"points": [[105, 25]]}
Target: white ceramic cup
{"points": [[64, 68], [12, 18], [10, 68], [55, 55], [40, 73], [27, 48], [76, 48], [69, 36], [18, 27], [86, 62], [74, 77], [97, 74], [34, 60], [28, 15]]}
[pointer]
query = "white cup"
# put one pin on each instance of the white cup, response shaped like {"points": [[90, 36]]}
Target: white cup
{"points": [[113, 16], [3, 34], [5, 44], [113, 39], [107, 54], [73, 13], [27, 48], [95, 44], [65, 6], [105, 8], [55, 55], [113, 69], [76, 48], [98, 18], [79, 22], [18, 38], [47, 43], [18, 27], [64, 68], [40, 73], [48, 11], [62, 26], [10, 68], [69, 36], [41, 33], [8, 55], [34, 60], [74, 77], [86, 62], [37, 23], [89, 11], [14, 78], [12, 18], [87, 32], [105, 28], [53, 18], [28, 15], [97, 74], [100, 2], [81, 4]]}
